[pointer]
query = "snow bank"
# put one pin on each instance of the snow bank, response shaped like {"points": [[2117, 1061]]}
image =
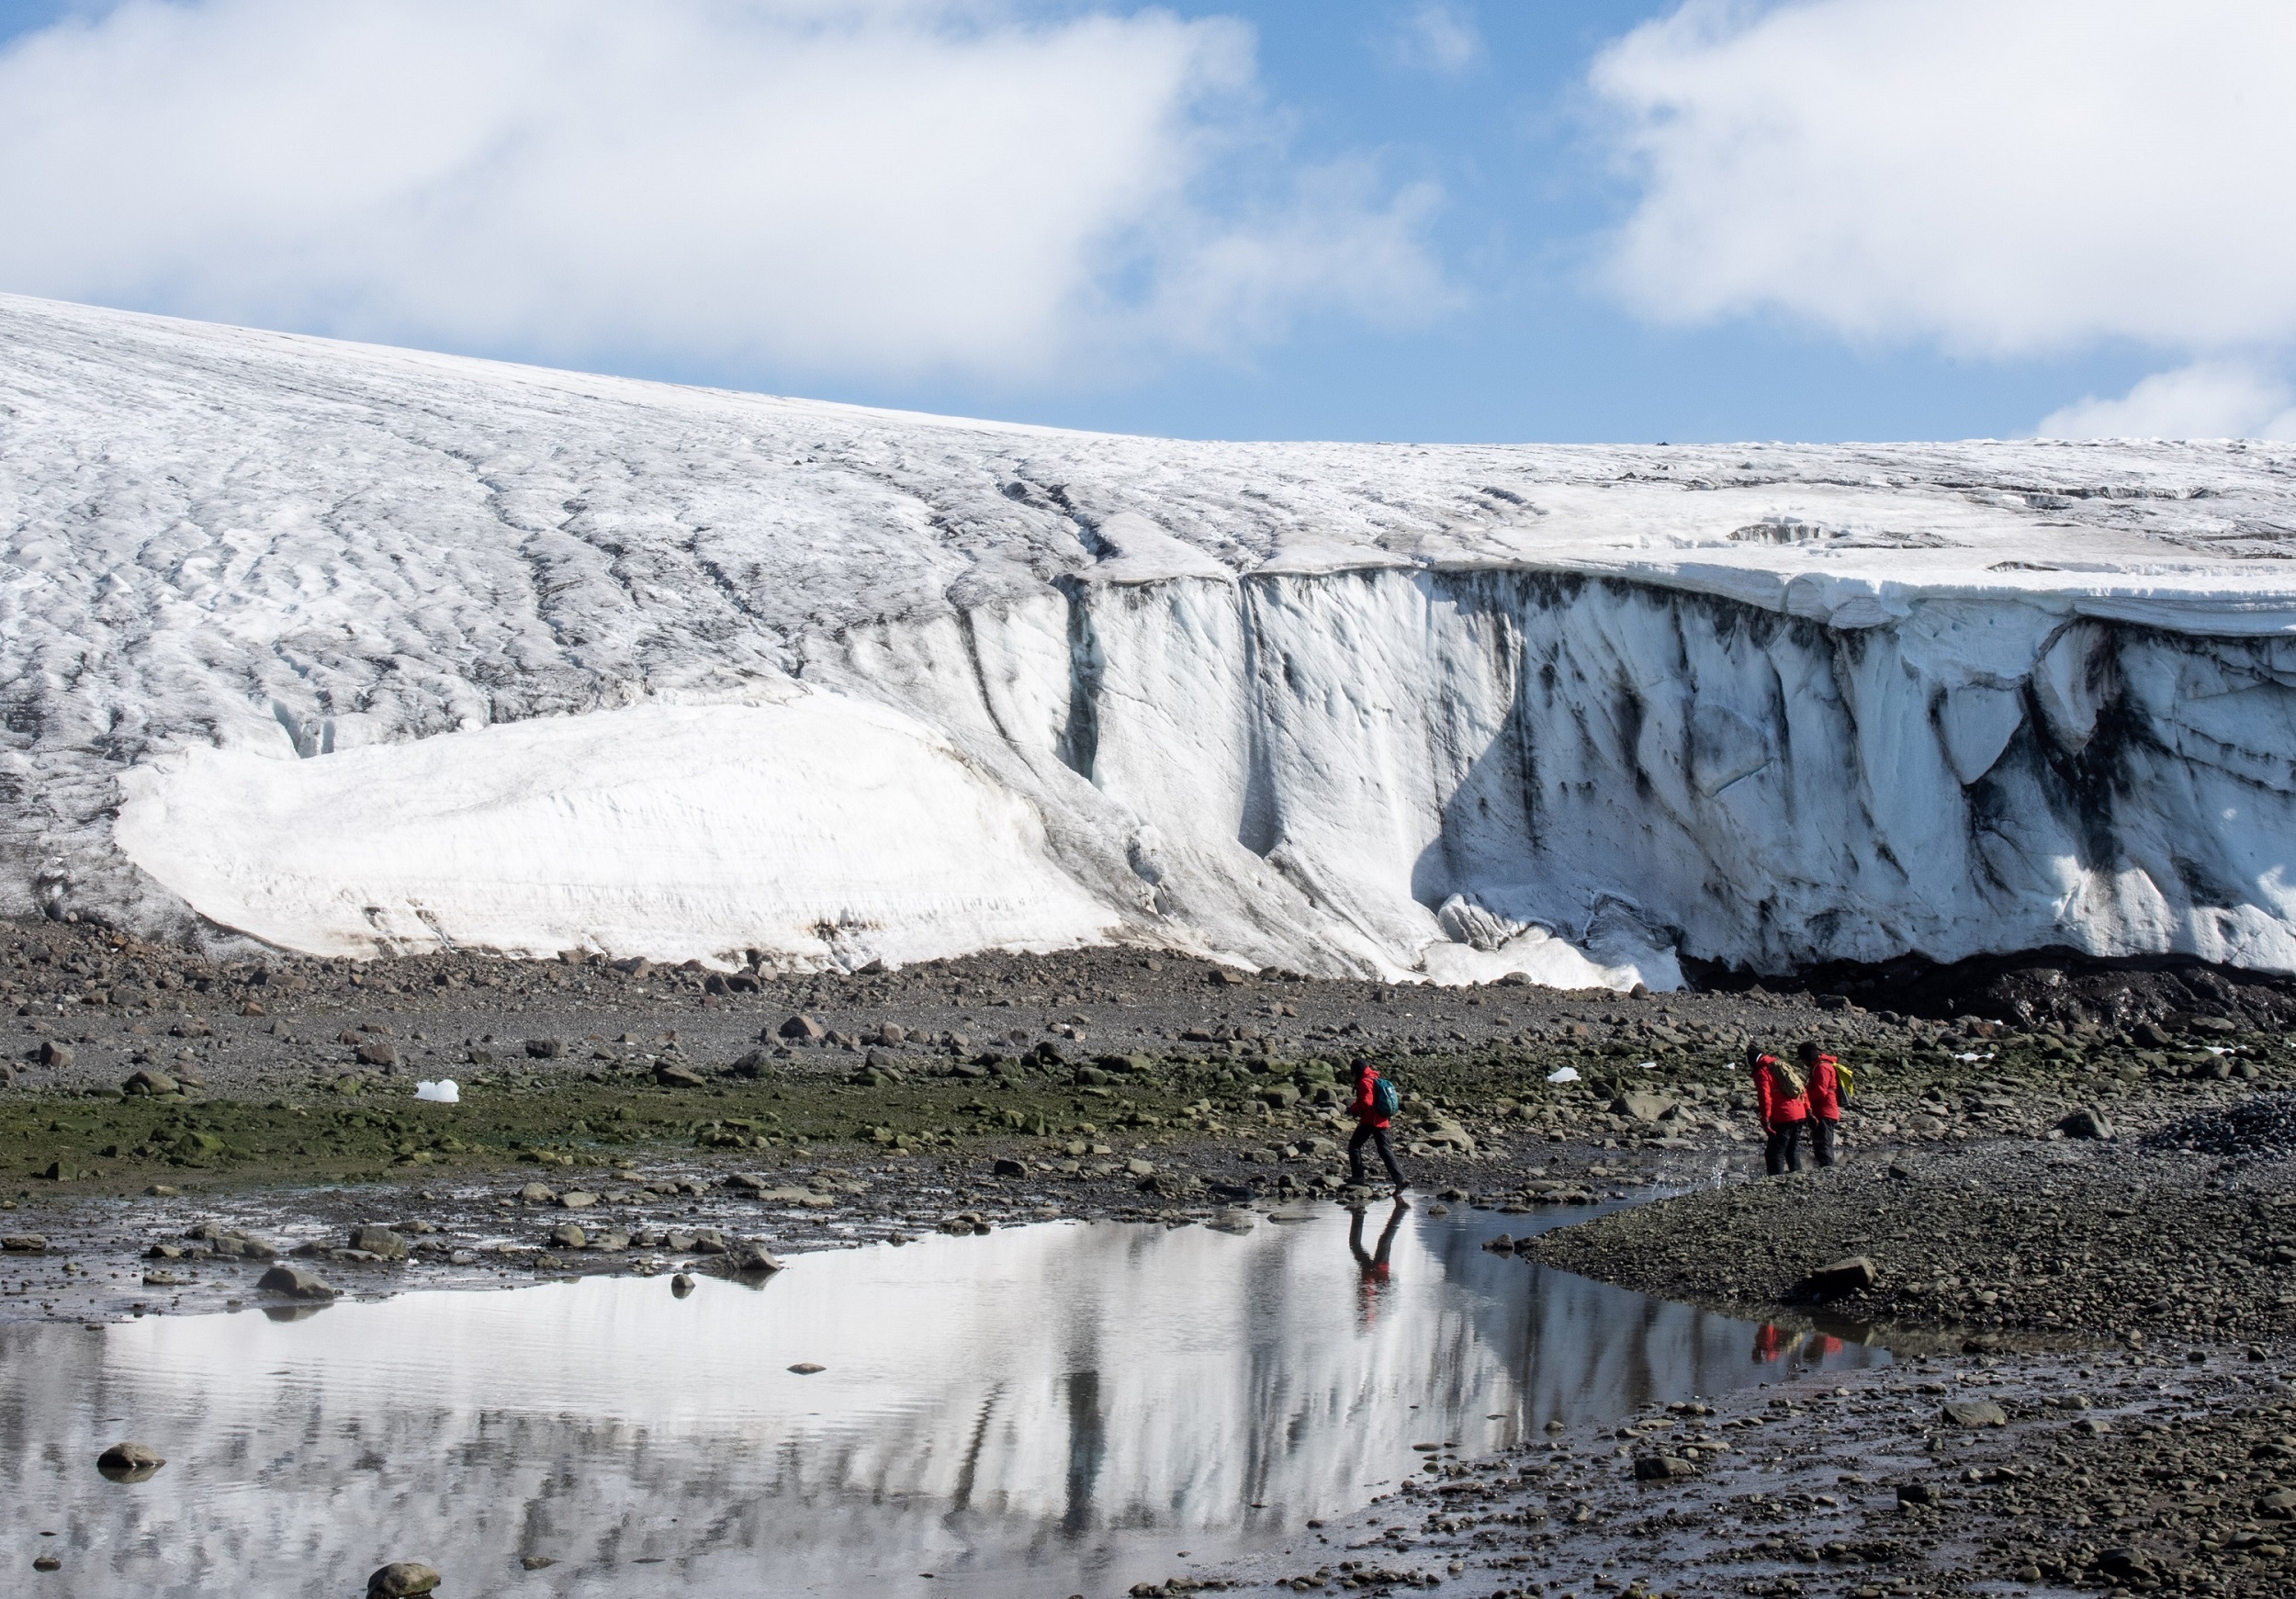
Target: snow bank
{"points": [[349, 650], [814, 828]]}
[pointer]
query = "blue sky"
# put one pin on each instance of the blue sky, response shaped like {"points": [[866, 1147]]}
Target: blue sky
{"points": [[1428, 202]]}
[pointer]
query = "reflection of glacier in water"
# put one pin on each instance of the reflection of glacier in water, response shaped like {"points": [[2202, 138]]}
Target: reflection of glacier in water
{"points": [[1078, 1403]]}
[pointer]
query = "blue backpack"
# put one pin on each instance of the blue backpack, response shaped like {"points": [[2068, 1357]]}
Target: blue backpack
{"points": [[1386, 1097]]}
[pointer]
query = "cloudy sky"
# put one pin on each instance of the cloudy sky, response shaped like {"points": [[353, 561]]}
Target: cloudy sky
{"points": [[1573, 220]]}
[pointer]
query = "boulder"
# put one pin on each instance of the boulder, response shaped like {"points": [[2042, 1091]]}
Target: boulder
{"points": [[377, 1052], [545, 1049], [380, 1242], [805, 1029], [1841, 1278], [671, 1075], [401, 1580], [1976, 1413], [295, 1282], [150, 1081], [1663, 1467], [750, 1257], [52, 1053], [1008, 1167], [25, 1243], [2086, 1122], [1642, 1107], [539, 1194], [130, 1462]]}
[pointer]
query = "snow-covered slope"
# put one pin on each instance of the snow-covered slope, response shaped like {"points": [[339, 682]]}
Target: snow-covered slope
{"points": [[349, 648]]}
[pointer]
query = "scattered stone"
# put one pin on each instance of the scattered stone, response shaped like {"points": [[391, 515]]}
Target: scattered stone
{"points": [[376, 1052], [568, 1235], [52, 1053], [807, 1368], [1916, 1494], [577, 1199], [545, 1049], [682, 1284], [25, 1243], [46, 1563], [152, 1081], [671, 1075], [540, 1562], [808, 1029], [1976, 1413], [1010, 1168], [2086, 1122], [539, 1194]]}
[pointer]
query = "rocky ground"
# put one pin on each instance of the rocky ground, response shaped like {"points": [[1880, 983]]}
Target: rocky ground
{"points": [[2065, 1191]]}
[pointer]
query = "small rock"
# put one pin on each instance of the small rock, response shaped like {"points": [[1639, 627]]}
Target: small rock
{"points": [[377, 1052], [1140, 1168], [25, 1243], [807, 1368], [545, 1049], [1916, 1494], [682, 1284], [535, 1562], [401, 1580], [808, 1028], [46, 1563], [295, 1282], [380, 1242], [672, 1075], [1976, 1413], [566, 1235], [576, 1200], [152, 1081], [52, 1053], [2278, 1505], [1011, 1168], [2086, 1122]]}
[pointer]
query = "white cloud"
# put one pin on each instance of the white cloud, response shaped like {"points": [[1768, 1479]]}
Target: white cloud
{"points": [[1439, 37], [2001, 176], [884, 187], [2209, 400]]}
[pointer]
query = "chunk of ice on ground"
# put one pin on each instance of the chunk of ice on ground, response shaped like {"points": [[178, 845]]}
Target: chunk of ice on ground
{"points": [[443, 1092]]}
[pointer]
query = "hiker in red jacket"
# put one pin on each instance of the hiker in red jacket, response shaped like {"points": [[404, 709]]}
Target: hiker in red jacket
{"points": [[1822, 1076], [1784, 1102], [1371, 1123]]}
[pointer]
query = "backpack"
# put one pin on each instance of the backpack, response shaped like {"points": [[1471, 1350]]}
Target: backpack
{"points": [[1790, 1076], [1387, 1100], [1847, 1078]]}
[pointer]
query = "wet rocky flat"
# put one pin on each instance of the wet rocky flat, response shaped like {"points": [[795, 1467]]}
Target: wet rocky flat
{"points": [[2061, 1182]]}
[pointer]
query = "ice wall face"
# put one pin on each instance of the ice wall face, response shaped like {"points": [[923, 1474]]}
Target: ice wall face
{"points": [[348, 648]]}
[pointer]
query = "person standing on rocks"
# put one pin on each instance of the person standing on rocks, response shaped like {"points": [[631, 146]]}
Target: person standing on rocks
{"points": [[1373, 1109], [1784, 1102], [1822, 1075]]}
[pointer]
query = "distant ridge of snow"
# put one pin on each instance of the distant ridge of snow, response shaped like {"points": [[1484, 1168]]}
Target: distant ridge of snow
{"points": [[291, 630]]}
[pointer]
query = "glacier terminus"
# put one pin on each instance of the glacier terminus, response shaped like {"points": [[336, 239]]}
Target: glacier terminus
{"points": [[353, 650]]}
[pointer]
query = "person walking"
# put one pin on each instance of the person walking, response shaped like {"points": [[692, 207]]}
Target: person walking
{"points": [[1784, 1102], [1822, 1073], [1373, 1108]]}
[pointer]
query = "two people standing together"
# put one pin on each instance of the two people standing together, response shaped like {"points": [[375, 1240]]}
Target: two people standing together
{"points": [[1796, 1099]]}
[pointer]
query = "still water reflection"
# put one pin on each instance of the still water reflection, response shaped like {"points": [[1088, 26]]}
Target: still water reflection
{"points": [[1049, 1410]]}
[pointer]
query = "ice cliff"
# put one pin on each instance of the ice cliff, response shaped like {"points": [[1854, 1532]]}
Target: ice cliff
{"points": [[349, 650]]}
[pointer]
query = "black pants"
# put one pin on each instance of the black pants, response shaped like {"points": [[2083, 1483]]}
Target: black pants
{"points": [[1784, 1150], [1366, 1133], [1823, 1130]]}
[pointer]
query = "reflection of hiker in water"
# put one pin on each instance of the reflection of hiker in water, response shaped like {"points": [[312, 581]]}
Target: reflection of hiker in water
{"points": [[1770, 1343], [1373, 1264]]}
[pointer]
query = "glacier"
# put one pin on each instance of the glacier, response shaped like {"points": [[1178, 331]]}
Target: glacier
{"points": [[353, 650]]}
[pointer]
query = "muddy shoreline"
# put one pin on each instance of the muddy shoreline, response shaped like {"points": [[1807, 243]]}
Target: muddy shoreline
{"points": [[637, 1121]]}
